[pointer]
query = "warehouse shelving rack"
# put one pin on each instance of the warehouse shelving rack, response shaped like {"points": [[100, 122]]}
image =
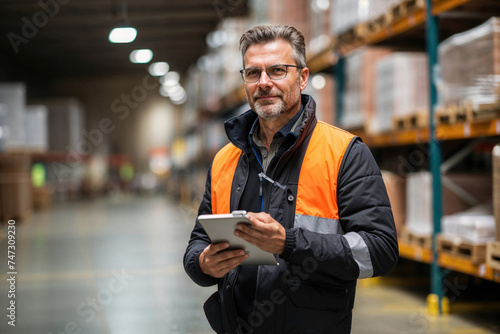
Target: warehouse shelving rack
{"points": [[433, 135]]}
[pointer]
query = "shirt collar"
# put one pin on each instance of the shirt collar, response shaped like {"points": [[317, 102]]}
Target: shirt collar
{"points": [[287, 128]]}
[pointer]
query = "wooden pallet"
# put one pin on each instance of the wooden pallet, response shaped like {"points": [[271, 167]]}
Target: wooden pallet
{"points": [[475, 253], [416, 120], [416, 240], [21, 217], [404, 8], [454, 114], [493, 255]]}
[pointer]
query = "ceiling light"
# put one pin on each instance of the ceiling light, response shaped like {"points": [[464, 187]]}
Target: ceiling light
{"points": [[170, 79], [158, 68], [163, 91], [122, 35], [123, 32], [141, 56], [318, 81]]}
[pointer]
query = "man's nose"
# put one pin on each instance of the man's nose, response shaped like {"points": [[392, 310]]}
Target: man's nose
{"points": [[264, 80]]}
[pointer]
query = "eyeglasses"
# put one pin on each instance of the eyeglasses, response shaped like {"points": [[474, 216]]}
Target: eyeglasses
{"points": [[275, 72]]}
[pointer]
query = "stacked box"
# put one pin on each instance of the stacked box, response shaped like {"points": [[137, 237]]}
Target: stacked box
{"points": [[402, 88], [358, 99], [396, 190], [419, 197], [347, 13], [13, 96], [325, 101], [36, 128], [470, 66], [476, 225], [496, 189], [15, 186], [66, 125]]}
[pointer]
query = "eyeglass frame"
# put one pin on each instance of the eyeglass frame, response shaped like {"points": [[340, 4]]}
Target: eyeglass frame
{"points": [[242, 72]]}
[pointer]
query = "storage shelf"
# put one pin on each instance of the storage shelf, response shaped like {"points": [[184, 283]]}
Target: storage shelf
{"points": [[467, 267], [350, 41], [448, 261], [469, 130], [444, 132], [416, 253]]}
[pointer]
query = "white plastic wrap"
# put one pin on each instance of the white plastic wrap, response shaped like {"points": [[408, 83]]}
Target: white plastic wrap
{"points": [[476, 225], [470, 66]]}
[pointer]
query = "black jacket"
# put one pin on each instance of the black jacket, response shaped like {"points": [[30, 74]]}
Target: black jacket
{"points": [[313, 288]]}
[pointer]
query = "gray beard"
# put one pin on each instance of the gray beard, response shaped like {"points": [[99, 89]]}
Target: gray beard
{"points": [[266, 113]]}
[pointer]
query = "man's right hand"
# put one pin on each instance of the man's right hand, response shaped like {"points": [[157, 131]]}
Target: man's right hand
{"points": [[216, 263]]}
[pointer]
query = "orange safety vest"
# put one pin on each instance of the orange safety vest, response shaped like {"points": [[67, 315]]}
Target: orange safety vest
{"points": [[317, 189]]}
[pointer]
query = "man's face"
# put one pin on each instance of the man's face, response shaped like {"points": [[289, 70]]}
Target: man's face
{"points": [[272, 98]]}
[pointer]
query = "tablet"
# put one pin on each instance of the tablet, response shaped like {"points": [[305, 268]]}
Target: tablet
{"points": [[221, 228]]}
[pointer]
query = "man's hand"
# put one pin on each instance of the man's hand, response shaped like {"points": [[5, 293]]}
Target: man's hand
{"points": [[265, 233], [217, 264]]}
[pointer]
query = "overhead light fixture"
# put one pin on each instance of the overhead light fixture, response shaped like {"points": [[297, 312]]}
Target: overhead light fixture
{"points": [[158, 69], [141, 56], [123, 33], [318, 81], [170, 79]]}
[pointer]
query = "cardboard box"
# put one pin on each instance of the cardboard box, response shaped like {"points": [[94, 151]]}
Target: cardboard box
{"points": [[496, 189], [470, 64], [359, 93], [13, 97], [396, 190], [15, 187]]}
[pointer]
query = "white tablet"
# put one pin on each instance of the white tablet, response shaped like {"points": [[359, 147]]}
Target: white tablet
{"points": [[221, 228]]}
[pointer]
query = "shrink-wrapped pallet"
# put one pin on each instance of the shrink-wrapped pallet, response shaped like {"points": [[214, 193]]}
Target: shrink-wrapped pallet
{"points": [[37, 128], [496, 189], [396, 190], [348, 13], [401, 88], [419, 197], [476, 225], [470, 66], [358, 99], [13, 99]]}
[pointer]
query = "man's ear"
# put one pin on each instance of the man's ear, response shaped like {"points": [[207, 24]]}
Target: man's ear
{"points": [[303, 78]]}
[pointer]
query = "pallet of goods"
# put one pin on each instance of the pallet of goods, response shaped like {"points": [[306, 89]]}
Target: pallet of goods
{"points": [[15, 187], [414, 120], [470, 75], [359, 94], [401, 89], [493, 255], [419, 215]]}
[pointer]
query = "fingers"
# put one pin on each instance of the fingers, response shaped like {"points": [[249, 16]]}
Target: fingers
{"points": [[265, 232], [216, 262]]}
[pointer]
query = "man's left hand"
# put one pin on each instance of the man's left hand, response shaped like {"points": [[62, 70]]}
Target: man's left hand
{"points": [[265, 233]]}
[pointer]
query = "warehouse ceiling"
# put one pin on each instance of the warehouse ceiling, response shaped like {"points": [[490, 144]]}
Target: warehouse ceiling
{"points": [[60, 39]]}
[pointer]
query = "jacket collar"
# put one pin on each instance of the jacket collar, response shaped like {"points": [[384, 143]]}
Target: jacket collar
{"points": [[238, 128]]}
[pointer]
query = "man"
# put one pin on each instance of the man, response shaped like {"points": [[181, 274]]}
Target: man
{"points": [[315, 198]]}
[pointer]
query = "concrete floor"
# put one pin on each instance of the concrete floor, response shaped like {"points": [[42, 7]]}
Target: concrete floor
{"points": [[115, 266]]}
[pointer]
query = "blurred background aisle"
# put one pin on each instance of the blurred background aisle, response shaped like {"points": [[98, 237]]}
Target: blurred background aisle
{"points": [[115, 266], [106, 266], [111, 112]]}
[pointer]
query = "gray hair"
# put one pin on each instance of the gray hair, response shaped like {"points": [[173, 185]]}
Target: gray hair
{"points": [[269, 33]]}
